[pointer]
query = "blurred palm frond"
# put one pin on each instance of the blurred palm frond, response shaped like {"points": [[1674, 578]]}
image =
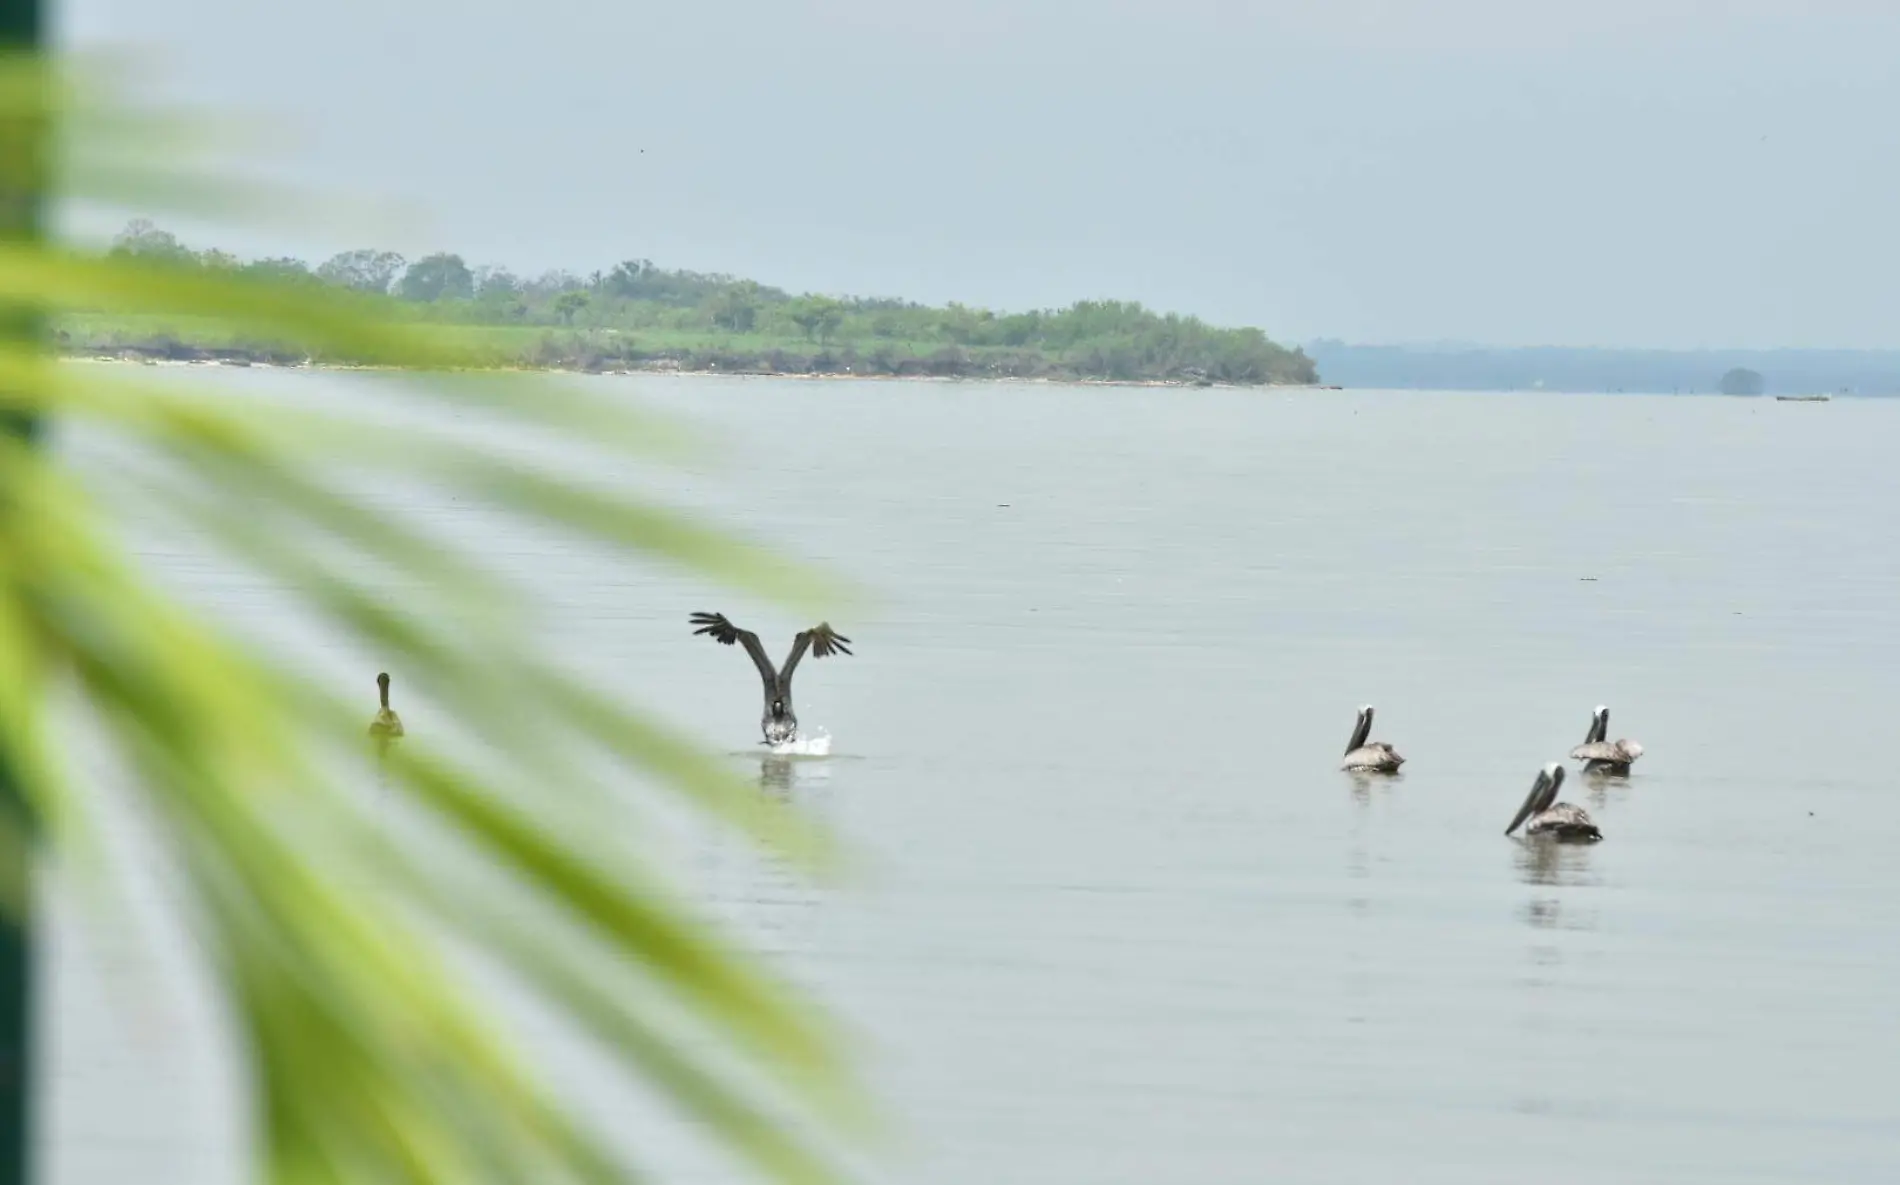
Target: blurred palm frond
{"points": [[347, 955]]}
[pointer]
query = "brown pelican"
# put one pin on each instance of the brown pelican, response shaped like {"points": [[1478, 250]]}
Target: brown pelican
{"points": [[1369, 756], [1550, 819], [779, 723], [1603, 756], [387, 726]]}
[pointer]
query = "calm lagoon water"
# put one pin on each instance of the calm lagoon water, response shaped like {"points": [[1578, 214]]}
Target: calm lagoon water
{"points": [[1123, 921]]}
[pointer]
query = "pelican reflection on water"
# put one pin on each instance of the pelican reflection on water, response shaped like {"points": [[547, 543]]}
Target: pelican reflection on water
{"points": [[1367, 756], [776, 775], [1543, 817], [1602, 756], [1553, 865]]}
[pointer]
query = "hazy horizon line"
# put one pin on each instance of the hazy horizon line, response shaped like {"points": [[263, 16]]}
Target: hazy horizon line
{"points": [[1439, 346]]}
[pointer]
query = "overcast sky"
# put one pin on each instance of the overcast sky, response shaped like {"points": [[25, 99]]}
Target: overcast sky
{"points": [[1627, 172]]}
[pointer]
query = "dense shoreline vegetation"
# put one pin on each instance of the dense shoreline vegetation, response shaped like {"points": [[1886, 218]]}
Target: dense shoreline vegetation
{"points": [[637, 316]]}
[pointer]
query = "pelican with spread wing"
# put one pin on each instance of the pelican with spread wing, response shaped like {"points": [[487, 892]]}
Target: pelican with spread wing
{"points": [[779, 722]]}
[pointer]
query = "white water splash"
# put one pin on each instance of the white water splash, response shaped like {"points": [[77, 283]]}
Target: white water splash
{"points": [[816, 744]]}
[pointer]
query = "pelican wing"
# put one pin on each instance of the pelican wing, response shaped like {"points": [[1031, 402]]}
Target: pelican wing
{"points": [[1600, 751], [1566, 822], [821, 639], [726, 633], [1377, 757]]}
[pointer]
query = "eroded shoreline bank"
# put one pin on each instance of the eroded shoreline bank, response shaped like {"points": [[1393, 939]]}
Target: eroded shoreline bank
{"points": [[971, 371]]}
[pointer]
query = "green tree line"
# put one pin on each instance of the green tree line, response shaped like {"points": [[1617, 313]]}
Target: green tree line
{"points": [[637, 313]]}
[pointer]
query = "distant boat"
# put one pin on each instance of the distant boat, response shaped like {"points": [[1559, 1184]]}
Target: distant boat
{"points": [[1804, 398]]}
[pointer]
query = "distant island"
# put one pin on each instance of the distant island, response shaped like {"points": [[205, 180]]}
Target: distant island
{"points": [[1570, 369], [637, 316]]}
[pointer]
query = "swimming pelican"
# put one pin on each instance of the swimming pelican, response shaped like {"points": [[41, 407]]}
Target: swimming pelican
{"points": [[387, 726], [779, 723], [1369, 757], [1602, 756], [1550, 819]]}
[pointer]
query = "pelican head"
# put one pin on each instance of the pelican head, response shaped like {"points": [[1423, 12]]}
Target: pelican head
{"points": [[1543, 793], [1361, 728]]}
